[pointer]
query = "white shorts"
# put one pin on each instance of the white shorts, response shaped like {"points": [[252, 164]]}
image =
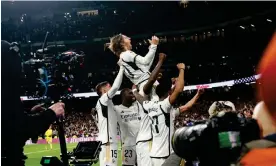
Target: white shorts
{"points": [[157, 161], [129, 156], [153, 95], [143, 153], [109, 155]]}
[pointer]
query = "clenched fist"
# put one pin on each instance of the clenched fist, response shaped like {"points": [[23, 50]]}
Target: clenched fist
{"points": [[200, 91], [181, 66], [58, 108], [162, 56]]}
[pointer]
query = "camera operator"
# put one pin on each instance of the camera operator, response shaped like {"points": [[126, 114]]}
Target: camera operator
{"points": [[262, 151], [17, 126], [219, 140]]}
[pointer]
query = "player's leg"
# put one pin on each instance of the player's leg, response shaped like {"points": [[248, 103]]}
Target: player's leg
{"points": [[114, 154], [46, 145], [147, 88], [109, 154], [129, 156], [143, 153], [50, 142], [102, 155]]}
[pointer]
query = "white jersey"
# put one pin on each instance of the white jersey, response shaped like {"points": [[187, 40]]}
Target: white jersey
{"points": [[145, 133], [129, 122], [162, 115], [136, 66], [107, 120]]}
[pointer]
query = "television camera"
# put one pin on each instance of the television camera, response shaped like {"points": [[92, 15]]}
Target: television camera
{"points": [[54, 68], [217, 141], [85, 154]]}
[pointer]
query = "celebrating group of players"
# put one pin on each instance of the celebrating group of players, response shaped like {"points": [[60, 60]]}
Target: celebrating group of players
{"points": [[146, 115]]}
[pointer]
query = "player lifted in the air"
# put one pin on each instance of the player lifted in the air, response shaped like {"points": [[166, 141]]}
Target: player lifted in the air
{"points": [[136, 67], [48, 137], [135, 125], [107, 120]]}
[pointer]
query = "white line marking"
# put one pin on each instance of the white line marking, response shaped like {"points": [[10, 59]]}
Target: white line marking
{"points": [[49, 150]]}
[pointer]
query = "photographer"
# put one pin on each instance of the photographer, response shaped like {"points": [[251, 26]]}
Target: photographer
{"points": [[217, 141], [17, 126]]}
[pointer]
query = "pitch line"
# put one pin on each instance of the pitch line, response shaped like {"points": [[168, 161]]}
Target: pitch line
{"points": [[48, 150]]}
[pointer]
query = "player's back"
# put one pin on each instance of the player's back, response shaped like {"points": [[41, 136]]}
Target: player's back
{"points": [[134, 71], [162, 115], [106, 120], [144, 133], [129, 122], [160, 135]]}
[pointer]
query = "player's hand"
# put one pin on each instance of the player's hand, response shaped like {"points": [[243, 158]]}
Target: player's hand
{"points": [[162, 56], [58, 108], [38, 107], [200, 91], [181, 66], [154, 40]]}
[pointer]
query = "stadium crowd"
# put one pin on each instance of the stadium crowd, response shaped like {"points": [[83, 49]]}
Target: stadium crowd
{"points": [[80, 125]]}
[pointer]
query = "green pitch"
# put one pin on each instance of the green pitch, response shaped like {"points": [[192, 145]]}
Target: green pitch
{"points": [[36, 151]]}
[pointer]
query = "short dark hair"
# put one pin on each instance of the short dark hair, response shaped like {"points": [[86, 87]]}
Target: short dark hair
{"points": [[123, 91], [116, 44], [163, 88], [100, 86]]}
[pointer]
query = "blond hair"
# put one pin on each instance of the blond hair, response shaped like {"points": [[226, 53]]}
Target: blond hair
{"points": [[116, 44]]}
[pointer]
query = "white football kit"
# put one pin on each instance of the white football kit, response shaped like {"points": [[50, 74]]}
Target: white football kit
{"points": [[107, 124], [162, 115], [144, 139], [137, 67], [129, 123]]}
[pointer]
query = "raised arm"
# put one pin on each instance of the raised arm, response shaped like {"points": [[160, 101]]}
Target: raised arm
{"points": [[139, 97], [179, 84], [154, 75], [190, 103], [146, 60], [117, 83]]}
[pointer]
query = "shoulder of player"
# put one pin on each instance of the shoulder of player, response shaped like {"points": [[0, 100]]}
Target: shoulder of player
{"points": [[150, 102], [117, 107], [126, 54], [166, 100]]}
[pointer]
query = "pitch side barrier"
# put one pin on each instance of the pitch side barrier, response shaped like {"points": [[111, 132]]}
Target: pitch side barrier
{"points": [[246, 80]]}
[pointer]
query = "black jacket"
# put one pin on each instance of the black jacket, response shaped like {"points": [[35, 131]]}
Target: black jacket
{"points": [[17, 126]]}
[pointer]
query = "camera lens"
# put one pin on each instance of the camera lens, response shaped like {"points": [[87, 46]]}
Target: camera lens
{"points": [[185, 141]]}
